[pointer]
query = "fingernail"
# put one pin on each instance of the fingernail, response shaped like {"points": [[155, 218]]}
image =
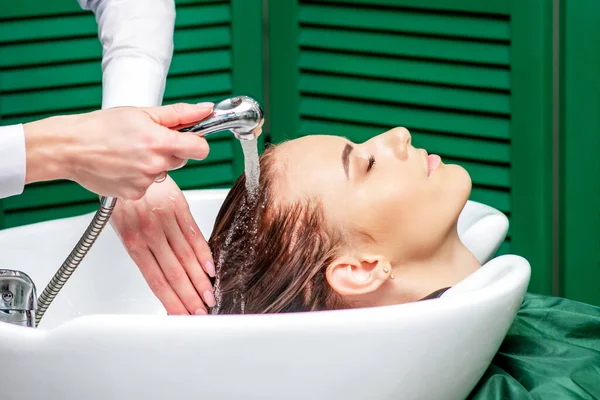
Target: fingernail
{"points": [[209, 298], [210, 269], [205, 105], [200, 311]]}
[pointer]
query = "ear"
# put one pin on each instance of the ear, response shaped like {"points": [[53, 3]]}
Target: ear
{"points": [[358, 275]]}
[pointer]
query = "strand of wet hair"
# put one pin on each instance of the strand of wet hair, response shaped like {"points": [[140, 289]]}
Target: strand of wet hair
{"points": [[243, 230]]}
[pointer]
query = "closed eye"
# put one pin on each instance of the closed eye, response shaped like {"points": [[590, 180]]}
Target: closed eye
{"points": [[371, 163]]}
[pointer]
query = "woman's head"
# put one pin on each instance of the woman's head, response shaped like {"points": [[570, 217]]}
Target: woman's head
{"points": [[335, 220]]}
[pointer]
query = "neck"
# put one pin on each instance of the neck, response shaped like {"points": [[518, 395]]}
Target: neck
{"points": [[455, 256], [448, 265]]}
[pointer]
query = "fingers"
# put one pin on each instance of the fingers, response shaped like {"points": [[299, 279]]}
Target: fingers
{"points": [[180, 144], [196, 239], [175, 163], [178, 114], [176, 276], [156, 280], [189, 146], [187, 258]]}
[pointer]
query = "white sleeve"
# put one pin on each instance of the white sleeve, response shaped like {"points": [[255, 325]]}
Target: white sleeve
{"points": [[12, 160], [137, 47]]}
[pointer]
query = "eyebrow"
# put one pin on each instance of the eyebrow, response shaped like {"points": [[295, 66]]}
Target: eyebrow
{"points": [[346, 158]]}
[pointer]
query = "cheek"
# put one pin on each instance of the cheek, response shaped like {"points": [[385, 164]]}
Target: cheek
{"points": [[384, 204], [415, 212]]}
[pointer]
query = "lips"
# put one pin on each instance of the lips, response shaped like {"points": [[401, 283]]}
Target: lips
{"points": [[433, 161]]}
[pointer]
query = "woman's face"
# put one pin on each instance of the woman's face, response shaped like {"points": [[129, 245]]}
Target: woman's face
{"points": [[385, 196]]}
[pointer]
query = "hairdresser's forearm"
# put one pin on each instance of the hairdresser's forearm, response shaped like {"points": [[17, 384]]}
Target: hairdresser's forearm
{"points": [[48, 143]]}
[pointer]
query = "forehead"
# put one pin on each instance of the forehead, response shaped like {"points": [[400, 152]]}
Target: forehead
{"points": [[312, 164]]}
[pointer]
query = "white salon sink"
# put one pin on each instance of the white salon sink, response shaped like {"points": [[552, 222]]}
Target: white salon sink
{"points": [[107, 337]]}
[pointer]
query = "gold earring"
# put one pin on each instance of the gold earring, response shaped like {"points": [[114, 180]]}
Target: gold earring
{"points": [[386, 270], [392, 276]]}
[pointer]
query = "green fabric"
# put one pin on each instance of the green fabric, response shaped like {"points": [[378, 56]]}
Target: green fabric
{"points": [[552, 351]]}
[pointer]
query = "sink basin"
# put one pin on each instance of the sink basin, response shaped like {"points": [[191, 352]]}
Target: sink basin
{"points": [[107, 337]]}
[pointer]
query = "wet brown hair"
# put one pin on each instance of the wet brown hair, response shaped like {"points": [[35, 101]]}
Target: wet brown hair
{"points": [[271, 254]]}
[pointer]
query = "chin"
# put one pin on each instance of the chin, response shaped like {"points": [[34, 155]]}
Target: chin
{"points": [[460, 178], [465, 180], [461, 184]]}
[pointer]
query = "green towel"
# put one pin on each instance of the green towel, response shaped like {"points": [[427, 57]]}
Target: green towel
{"points": [[552, 351]]}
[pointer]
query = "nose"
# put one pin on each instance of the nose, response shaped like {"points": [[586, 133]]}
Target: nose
{"points": [[398, 140]]}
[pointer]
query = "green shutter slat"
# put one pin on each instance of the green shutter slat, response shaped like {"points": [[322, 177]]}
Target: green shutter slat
{"points": [[398, 45], [69, 50], [48, 28], [211, 14], [499, 7], [482, 174], [498, 199], [65, 192], [413, 70], [75, 97], [452, 146], [198, 84], [44, 101], [464, 148], [199, 176], [48, 195], [403, 20], [21, 119], [31, 216], [409, 93], [203, 61], [64, 50], [88, 72], [186, 2], [413, 118], [202, 38], [29, 8]]}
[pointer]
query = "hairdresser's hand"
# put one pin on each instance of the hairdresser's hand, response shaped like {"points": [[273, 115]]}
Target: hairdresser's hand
{"points": [[116, 152], [163, 239]]}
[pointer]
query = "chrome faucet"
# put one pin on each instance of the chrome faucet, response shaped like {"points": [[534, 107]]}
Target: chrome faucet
{"points": [[18, 303], [241, 115]]}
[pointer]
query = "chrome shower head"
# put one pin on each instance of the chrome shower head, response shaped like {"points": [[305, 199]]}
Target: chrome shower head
{"points": [[241, 115]]}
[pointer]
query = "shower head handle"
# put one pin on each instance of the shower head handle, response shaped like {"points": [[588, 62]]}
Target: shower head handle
{"points": [[242, 115]]}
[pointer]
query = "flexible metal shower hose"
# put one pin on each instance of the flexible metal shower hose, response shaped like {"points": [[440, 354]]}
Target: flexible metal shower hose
{"points": [[72, 262]]}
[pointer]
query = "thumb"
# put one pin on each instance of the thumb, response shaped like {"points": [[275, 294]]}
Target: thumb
{"points": [[175, 115]]}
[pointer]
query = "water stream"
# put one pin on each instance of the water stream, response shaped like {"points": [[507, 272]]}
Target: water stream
{"points": [[251, 167], [252, 173]]}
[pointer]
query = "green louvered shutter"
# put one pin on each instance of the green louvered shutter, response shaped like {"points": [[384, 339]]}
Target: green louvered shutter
{"points": [[445, 69], [50, 64]]}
